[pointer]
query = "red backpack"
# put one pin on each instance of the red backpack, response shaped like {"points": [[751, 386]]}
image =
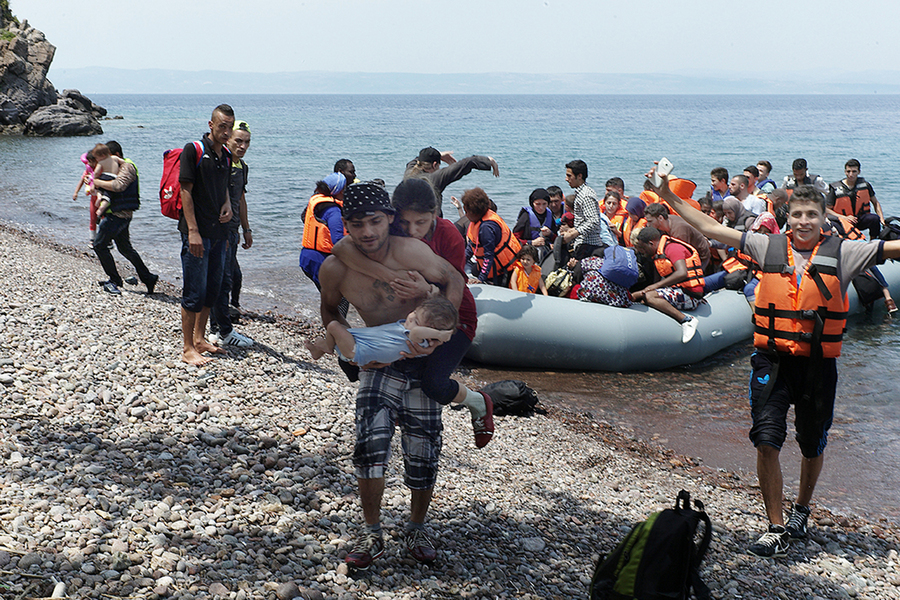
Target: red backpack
{"points": [[169, 186]]}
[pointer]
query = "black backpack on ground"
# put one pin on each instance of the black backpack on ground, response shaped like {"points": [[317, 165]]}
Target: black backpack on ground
{"points": [[658, 559], [512, 397]]}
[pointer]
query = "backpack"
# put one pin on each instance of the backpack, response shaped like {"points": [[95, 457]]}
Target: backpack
{"points": [[891, 229], [512, 397], [620, 266], [658, 559], [559, 282], [867, 288], [169, 186]]}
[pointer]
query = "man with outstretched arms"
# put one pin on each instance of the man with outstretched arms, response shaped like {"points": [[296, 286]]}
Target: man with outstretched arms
{"points": [[800, 314], [388, 394]]}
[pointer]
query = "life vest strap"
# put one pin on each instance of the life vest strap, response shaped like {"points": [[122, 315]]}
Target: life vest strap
{"points": [[797, 336], [806, 315]]}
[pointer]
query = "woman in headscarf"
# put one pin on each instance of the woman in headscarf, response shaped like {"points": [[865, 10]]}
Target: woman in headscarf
{"points": [[322, 224], [739, 218]]}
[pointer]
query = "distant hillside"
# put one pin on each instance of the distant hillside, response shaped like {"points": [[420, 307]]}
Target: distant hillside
{"points": [[155, 81]]}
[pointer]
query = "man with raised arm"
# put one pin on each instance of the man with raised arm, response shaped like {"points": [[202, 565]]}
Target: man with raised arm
{"points": [[428, 166], [388, 394], [800, 314]]}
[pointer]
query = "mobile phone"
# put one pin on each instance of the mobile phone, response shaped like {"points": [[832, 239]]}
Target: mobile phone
{"points": [[664, 167]]}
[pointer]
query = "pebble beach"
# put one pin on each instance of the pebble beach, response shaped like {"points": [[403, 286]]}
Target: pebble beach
{"points": [[125, 473]]}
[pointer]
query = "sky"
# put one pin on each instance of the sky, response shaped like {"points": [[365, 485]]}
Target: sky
{"points": [[701, 37]]}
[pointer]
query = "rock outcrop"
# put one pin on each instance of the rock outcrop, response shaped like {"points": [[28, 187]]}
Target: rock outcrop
{"points": [[28, 101]]}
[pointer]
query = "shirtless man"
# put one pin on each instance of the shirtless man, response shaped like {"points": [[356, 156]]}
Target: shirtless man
{"points": [[388, 394]]}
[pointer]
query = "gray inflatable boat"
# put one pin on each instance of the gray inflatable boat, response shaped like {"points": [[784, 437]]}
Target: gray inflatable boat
{"points": [[543, 332]]}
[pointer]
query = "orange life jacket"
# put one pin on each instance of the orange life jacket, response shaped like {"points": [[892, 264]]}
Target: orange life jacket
{"points": [[683, 188], [618, 223], [506, 250], [524, 282], [799, 320], [665, 267], [852, 202], [844, 228], [316, 235], [631, 225]]}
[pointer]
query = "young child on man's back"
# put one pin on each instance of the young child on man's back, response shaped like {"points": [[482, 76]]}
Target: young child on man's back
{"points": [[432, 323], [87, 180], [107, 169]]}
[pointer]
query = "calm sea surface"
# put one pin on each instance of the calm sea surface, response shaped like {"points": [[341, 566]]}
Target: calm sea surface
{"points": [[297, 139]]}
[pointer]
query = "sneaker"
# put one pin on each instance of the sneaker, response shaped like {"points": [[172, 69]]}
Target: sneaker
{"points": [[365, 551], [420, 546], [110, 288], [796, 525], [773, 543], [131, 280], [235, 339], [484, 426], [891, 306], [151, 285], [688, 329]]}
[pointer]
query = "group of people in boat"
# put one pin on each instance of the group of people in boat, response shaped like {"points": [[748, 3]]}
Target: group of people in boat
{"points": [[571, 235]]}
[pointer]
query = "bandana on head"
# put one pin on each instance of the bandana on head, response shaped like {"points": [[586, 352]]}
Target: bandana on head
{"points": [[241, 126], [366, 198], [335, 182]]}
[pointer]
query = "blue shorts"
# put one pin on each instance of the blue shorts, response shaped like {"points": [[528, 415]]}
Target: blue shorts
{"points": [[202, 276], [812, 416], [387, 397]]}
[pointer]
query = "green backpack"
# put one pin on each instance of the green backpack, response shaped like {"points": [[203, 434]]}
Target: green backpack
{"points": [[658, 559]]}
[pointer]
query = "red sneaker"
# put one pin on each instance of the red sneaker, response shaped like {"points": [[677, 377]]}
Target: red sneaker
{"points": [[365, 551], [484, 427], [420, 546]]}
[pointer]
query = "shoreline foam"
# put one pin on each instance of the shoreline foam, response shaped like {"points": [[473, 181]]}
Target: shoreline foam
{"points": [[127, 473]]}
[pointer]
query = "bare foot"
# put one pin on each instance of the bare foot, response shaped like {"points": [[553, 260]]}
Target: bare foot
{"points": [[192, 357], [314, 349], [203, 346]]}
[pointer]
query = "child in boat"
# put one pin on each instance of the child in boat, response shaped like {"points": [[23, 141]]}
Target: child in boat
{"points": [[526, 276], [430, 324], [87, 180], [107, 169]]}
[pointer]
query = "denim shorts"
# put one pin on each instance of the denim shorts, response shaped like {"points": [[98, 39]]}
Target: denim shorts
{"points": [[202, 276]]}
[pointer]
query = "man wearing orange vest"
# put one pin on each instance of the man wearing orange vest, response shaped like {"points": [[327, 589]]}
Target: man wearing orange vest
{"points": [[854, 198], [680, 284], [800, 314]]}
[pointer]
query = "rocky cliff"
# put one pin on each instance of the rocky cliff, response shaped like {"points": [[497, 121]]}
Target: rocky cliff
{"points": [[28, 101]]}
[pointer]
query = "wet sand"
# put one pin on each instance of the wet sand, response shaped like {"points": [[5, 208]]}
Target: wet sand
{"points": [[701, 412]]}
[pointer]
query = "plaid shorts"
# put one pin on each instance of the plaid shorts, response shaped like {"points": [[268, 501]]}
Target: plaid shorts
{"points": [[387, 397], [677, 298]]}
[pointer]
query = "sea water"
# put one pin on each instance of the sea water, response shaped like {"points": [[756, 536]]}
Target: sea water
{"points": [[296, 140]]}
